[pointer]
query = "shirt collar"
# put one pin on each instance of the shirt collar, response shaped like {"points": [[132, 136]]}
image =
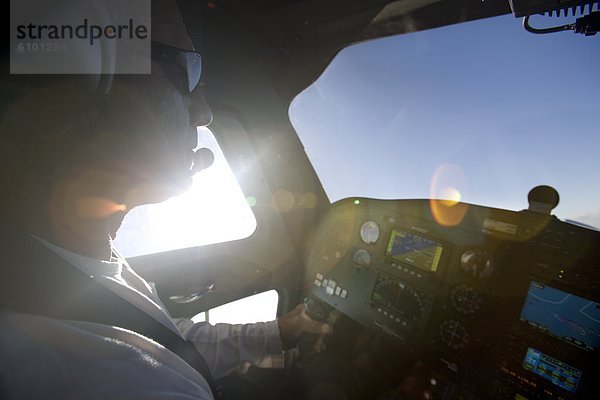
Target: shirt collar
{"points": [[89, 265]]}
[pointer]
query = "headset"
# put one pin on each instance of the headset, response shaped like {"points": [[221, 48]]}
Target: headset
{"points": [[58, 110], [53, 107]]}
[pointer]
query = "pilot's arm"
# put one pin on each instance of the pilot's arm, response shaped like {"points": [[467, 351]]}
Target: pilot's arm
{"points": [[226, 347]]}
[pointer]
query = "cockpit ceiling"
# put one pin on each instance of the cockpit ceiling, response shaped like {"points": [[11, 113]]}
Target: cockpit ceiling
{"points": [[300, 27], [307, 34]]}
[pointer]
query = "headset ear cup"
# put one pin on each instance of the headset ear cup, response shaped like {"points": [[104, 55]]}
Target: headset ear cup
{"points": [[52, 109], [39, 110]]}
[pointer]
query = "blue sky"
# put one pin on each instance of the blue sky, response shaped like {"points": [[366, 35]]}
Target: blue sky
{"points": [[483, 106]]}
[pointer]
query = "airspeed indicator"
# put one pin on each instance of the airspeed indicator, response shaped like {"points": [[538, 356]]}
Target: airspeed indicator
{"points": [[369, 232]]}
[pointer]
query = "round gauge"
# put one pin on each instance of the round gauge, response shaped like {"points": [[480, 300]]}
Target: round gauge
{"points": [[362, 258], [369, 232], [477, 263], [400, 298], [466, 300], [454, 334]]}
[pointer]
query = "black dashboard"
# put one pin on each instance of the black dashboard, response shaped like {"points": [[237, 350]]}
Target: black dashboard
{"points": [[502, 304]]}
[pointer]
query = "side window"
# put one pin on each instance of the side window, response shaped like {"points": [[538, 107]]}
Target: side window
{"points": [[261, 307], [213, 210]]}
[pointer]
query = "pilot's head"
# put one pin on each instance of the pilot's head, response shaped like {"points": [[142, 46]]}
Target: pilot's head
{"points": [[73, 186]]}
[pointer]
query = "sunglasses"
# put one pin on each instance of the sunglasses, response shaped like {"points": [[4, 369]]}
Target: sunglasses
{"points": [[189, 61]]}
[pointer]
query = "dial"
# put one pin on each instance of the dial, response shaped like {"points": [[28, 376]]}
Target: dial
{"points": [[477, 263], [369, 232], [465, 299], [400, 298], [362, 258], [454, 334]]}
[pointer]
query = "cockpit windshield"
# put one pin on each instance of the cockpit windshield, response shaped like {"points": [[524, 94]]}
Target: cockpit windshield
{"points": [[479, 112]]}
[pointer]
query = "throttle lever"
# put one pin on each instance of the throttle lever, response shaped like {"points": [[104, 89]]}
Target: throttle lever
{"points": [[319, 311]]}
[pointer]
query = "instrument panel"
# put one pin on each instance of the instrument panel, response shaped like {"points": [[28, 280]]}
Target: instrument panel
{"points": [[501, 302]]}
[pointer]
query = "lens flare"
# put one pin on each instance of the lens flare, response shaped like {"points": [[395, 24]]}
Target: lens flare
{"points": [[446, 191], [251, 200], [283, 201], [308, 200], [451, 196], [98, 207]]}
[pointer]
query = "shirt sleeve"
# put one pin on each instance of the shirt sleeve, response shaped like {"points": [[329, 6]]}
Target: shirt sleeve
{"points": [[42, 358], [227, 347]]}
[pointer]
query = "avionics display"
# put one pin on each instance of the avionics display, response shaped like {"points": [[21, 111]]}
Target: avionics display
{"points": [[414, 250], [557, 372], [567, 317], [400, 298]]}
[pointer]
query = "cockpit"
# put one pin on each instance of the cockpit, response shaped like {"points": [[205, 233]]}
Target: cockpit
{"points": [[419, 173]]}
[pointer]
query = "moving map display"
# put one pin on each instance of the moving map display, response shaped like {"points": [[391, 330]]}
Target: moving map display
{"points": [[565, 316], [414, 250]]}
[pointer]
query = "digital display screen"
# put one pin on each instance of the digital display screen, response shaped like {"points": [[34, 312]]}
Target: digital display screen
{"points": [[414, 250], [565, 316], [557, 372], [399, 297]]}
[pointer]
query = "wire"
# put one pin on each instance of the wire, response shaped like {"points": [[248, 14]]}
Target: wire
{"points": [[529, 28]]}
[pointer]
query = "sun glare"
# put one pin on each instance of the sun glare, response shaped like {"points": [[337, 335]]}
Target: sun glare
{"points": [[213, 210], [450, 196], [98, 207]]}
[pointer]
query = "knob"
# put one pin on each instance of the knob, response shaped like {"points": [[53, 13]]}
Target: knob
{"points": [[542, 199]]}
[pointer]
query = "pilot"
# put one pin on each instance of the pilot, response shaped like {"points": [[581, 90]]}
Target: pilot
{"points": [[70, 303]]}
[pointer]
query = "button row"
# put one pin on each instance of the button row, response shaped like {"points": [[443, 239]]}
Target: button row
{"points": [[331, 286], [391, 316], [406, 270]]}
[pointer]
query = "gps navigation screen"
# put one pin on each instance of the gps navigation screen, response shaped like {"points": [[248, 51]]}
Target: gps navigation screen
{"points": [[414, 250], [565, 316]]}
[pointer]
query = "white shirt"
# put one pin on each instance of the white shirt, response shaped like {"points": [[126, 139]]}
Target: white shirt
{"points": [[43, 358], [117, 276], [225, 347]]}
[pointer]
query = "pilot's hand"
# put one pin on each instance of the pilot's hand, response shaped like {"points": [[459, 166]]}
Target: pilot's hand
{"points": [[296, 322]]}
